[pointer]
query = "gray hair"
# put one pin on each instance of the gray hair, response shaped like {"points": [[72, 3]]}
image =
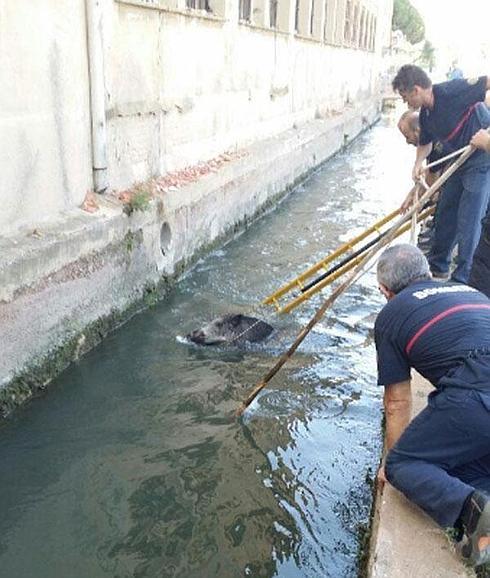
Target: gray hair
{"points": [[401, 265]]}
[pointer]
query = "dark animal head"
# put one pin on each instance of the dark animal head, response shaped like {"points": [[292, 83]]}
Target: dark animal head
{"points": [[231, 329]]}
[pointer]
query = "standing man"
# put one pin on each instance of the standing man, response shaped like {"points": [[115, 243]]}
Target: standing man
{"points": [[441, 460], [480, 270], [454, 71], [449, 114]]}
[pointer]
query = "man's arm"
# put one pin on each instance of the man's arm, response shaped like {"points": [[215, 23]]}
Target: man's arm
{"points": [[398, 410], [423, 151], [398, 407]]}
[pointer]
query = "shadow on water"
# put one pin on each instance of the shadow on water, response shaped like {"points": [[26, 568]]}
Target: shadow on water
{"points": [[133, 466]]}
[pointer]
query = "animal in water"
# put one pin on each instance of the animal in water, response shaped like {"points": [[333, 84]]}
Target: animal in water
{"points": [[233, 329]]}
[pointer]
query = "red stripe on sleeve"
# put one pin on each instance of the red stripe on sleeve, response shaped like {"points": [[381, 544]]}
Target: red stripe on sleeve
{"points": [[438, 318], [461, 123]]}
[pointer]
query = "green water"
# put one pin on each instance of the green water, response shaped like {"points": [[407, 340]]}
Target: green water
{"points": [[130, 466]]}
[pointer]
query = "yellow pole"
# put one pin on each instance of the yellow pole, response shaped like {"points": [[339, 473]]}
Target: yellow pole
{"points": [[353, 276], [295, 283]]}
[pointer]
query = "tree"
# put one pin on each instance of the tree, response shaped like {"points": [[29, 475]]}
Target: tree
{"points": [[407, 19], [428, 56]]}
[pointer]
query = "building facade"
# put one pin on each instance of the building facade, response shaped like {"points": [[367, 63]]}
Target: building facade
{"points": [[182, 81]]}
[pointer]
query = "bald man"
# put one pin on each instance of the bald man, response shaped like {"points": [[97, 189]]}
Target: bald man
{"points": [[408, 125]]}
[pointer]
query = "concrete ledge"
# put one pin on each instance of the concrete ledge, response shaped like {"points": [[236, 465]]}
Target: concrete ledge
{"points": [[406, 543], [65, 284]]}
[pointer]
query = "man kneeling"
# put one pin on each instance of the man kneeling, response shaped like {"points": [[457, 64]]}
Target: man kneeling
{"points": [[441, 460]]}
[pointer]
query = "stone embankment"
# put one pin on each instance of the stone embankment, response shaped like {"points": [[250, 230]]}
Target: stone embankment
{"points": [[65, 284]]}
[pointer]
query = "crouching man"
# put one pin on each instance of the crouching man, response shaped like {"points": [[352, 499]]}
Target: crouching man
{"points": [[441, 460]]}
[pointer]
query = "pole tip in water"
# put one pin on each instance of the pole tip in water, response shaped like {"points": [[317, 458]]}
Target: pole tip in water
{"points": [[240, 411]]}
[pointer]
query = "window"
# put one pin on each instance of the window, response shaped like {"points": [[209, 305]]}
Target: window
{"points": [[355, 27], [366, 30], [325, 23], [347, 21], [373, 34], [198, 5], [273, 13], [312, 16], [362, 29], [245, 10]]}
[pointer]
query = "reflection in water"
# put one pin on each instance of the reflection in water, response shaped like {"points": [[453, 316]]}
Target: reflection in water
{"points": [[133, 465]]}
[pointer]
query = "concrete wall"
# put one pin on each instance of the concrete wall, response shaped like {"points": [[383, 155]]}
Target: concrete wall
{"points": [[44, 120], [65, 287], [184, 89], [181, 86]]}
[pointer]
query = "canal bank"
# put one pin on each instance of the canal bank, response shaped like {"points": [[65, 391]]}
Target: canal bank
{"points": [[66, 284]]}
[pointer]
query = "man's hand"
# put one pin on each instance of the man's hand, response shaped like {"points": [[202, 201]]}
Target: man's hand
{"points": [[381, 475], [481, 140], [417, 171], [408, 201]]}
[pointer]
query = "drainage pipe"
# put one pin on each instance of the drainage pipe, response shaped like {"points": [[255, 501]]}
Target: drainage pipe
{"points": [[97, 94]]}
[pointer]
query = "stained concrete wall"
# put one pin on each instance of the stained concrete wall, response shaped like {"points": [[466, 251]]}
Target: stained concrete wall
{"points": [[184, 89], [44, 119], [181, 86], [64, 287]]}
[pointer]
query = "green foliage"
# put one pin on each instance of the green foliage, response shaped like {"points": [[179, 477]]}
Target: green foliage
{"points": [[428, 56], [407, 19], [150, 297], [130, 239], [140, 201], [137, 199]]}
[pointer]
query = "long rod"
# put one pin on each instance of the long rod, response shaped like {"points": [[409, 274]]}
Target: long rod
{"points": [[350, 263], [298, 282], [446, 158], [353, 276]]}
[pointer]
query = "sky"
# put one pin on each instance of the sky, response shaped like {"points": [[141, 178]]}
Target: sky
{"points": [[458, 30]]}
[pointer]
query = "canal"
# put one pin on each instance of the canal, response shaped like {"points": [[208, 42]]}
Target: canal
{"points": [[130, 466]]}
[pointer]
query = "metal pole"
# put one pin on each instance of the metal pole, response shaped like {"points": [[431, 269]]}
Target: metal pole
{"points": [[97, 94]]}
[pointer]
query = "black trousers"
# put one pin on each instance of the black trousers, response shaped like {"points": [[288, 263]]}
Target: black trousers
{"points": [[480, 269]]}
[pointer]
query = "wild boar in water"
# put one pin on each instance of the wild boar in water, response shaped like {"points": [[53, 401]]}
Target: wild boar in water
{"points": [[233, 329]]}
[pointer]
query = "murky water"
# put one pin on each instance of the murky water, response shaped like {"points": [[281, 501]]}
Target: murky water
{"points": [[130, 464]]}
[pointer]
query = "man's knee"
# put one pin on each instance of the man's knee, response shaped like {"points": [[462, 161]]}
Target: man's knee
{"points": [[393, 468]]}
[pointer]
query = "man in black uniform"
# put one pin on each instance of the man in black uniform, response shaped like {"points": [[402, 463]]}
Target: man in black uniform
{"points": [[480, 269], [451, 113], [441, 460]]}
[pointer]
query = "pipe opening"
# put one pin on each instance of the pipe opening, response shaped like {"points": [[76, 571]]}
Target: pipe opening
{"points": [[165, 238]]}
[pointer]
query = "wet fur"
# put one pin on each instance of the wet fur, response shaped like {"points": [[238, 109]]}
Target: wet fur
{"points": [[232, 329]]}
